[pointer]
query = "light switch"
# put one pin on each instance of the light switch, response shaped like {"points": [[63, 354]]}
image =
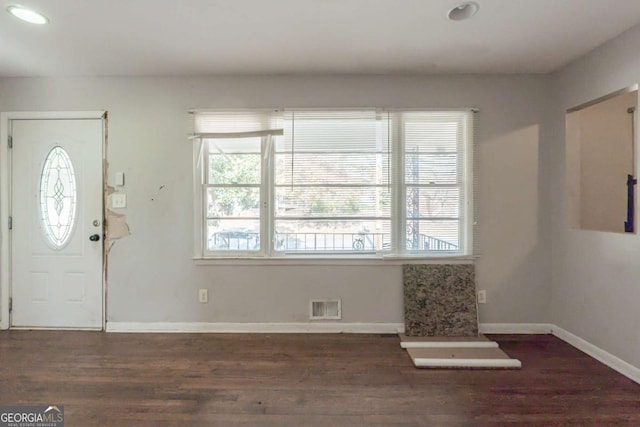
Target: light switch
{"points": [[118, 200], [120, 179]]}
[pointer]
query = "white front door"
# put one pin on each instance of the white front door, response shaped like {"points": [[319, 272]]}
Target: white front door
{"points": [[56, 216]]}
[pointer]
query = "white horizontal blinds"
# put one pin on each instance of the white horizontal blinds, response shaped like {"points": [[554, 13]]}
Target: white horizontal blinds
{"points": [[230, 124], [332, 182], [435, 180], [234, 145]]}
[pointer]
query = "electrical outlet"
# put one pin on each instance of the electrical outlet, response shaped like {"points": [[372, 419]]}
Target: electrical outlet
{"points": [[203, 295], [482, 297]]}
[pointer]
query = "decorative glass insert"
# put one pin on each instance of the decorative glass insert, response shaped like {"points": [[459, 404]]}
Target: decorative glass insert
{"points": [[58, 198]]}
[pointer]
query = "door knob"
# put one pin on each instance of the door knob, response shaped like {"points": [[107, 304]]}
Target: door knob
{"points": [[94, 237]]}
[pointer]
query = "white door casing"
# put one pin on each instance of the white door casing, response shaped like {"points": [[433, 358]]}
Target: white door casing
{"points": [[56, 270]]}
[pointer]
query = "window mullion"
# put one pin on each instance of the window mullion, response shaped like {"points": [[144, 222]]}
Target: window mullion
{"points": [[398, 197], [460, 173], [204, 179], [267, 196]]}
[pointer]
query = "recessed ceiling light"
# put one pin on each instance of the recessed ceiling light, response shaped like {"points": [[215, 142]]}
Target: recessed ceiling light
{"points": [[27, 15], [463, 11]]}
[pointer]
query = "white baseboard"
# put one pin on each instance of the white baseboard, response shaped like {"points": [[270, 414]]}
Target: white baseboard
{"points": [[614, 362], [516, 328], [311, 327]]}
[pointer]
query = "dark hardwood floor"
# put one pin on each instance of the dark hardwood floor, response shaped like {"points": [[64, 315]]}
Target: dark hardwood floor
{"points": [[299, 380]]}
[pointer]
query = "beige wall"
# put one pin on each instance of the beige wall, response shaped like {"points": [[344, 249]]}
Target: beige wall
{"points": [[573, 166], [152, 277], [600, 136]]}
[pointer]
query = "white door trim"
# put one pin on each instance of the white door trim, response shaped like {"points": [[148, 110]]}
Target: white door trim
{"points": [[5, 259]]}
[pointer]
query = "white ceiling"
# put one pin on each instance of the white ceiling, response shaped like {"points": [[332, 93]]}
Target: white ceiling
{"points": [[206, 37]]}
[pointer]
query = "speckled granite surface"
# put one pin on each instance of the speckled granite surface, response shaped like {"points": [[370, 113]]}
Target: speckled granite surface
{"points": [[440, 300]]}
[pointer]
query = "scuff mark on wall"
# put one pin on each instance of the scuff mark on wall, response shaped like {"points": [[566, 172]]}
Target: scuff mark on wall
{"points": [[153, 199], [116, 228]]}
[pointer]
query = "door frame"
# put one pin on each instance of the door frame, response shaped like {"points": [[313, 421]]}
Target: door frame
{"points": [[5, 199]]}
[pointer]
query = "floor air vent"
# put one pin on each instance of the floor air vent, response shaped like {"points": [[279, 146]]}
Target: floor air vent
{"points": [[325, 309]]}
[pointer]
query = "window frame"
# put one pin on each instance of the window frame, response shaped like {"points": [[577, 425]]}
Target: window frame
{"points": [[465, 181], [398, 186], [266, 158]]}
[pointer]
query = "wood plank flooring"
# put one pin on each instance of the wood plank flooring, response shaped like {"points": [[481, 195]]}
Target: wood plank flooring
{"points": [[302, 380]]}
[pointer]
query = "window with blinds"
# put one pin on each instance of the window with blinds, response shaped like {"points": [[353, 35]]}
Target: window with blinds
{"points": [[334, 182], [436, 151]]}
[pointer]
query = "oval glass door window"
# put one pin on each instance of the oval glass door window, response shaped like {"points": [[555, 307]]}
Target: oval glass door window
{"points": [[58, 198]]}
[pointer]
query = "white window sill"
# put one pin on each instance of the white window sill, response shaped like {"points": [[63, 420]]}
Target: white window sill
{"points": [[315, 260]]}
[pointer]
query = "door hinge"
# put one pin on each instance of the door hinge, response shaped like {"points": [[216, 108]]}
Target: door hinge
{"points": [[10, 305], [10, 142], [10, 223]]}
